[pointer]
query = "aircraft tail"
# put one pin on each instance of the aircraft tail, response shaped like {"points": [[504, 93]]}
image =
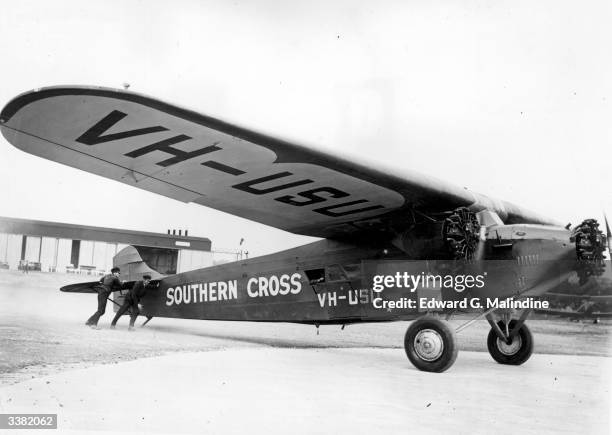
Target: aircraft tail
{"points": [[135, 261]]}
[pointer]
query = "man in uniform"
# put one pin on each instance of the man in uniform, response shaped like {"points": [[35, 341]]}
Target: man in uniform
{"points": [[131, 301], [108, 284]]}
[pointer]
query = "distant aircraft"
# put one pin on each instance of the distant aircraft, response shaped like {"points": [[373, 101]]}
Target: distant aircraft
{"points": [[385, 236]]}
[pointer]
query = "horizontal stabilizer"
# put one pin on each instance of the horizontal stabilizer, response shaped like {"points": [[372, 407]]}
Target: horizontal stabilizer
{"points": [[90, 287], [81, 287]]}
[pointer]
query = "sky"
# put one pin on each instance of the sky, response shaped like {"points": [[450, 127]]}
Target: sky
{"points": [[511, 98]]}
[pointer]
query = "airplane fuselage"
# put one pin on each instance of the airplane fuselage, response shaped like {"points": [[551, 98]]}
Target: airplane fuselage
{"points": [[336, 282]]}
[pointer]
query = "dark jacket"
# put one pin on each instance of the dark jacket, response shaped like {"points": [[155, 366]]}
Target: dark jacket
{"points": [[137, 291], [111, 283]]}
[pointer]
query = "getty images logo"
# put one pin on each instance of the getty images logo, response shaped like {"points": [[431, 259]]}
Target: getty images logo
{"points": [[405, 280]]}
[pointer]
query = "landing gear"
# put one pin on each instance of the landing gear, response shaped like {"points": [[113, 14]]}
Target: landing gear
{"points": [[430, 345], [510, 342]]}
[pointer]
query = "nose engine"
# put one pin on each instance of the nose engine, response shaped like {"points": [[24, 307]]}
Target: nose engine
{"points": [[590, 241]]}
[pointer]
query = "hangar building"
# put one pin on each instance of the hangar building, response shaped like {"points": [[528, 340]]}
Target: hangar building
{"points": [[60, 247]]}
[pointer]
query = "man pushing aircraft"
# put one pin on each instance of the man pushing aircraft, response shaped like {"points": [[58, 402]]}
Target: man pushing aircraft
{"points": [[108, 284], [131, 301]]}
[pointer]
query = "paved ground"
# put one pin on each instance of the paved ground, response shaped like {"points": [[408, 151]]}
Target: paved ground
{"points": [[352, 390], [227, 377]]}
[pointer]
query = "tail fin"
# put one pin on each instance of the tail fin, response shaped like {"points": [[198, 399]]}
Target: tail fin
{"points": [[134, 261]]}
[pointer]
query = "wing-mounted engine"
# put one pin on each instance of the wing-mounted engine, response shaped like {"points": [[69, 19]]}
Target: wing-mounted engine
{"points": [[454, 235], [461, 234], [590, 244]]}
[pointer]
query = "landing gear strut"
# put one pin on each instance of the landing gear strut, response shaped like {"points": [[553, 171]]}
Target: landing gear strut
{"points": [[430, 345], [510, 341]]}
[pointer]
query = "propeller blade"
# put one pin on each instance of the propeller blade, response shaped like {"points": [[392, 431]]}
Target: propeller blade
{"points": [[608, 236], [480, 251]]}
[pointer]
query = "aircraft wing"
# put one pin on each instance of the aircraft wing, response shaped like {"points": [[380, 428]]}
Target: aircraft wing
{"points": [[81, 287], [90, 287], [192, 157]]}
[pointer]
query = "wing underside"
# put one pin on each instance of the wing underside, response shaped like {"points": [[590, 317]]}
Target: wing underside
{"points": [[191, 157]]}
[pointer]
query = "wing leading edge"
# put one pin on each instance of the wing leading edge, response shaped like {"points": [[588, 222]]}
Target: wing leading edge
{"points": [[191, 157]]}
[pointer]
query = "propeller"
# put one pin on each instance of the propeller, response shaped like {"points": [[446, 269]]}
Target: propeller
{"points": [[608, 236], [486, 219]]}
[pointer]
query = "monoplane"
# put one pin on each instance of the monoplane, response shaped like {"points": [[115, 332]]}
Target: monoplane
{"points": [[411, 236]]}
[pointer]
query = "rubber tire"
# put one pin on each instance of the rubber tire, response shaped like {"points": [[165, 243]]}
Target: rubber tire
{"points": [[449, 353], [521, 355]]}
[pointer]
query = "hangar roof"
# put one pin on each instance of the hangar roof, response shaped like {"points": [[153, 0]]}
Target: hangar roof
{"points": [[99, 234]]}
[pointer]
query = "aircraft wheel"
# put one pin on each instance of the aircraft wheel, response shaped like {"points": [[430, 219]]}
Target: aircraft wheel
{"points": [[430, 345], [515, 353]]}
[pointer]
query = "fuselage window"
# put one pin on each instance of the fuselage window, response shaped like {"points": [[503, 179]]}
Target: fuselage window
{"points": [[315, 276]]}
